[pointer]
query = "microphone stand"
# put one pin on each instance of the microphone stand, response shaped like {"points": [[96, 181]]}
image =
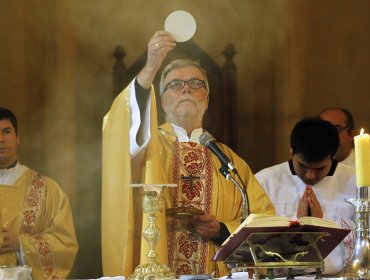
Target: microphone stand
{"points": [[224, 171]]}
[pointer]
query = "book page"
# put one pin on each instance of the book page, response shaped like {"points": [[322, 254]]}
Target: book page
{"points": [[267, 220], [318, 222], [260, 220]]}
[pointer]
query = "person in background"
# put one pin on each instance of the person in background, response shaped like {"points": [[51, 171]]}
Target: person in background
{"points": [[37, 223], [343, 121], [170, 153], [314, 183]]}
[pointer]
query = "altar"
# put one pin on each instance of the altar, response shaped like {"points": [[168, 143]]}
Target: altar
{"points": [[244, 275], [235, 276]]}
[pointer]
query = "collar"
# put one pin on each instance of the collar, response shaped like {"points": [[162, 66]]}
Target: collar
{"points": [[10, 166], [183, 136], [11, 169], [334, 165], [11, 175]]}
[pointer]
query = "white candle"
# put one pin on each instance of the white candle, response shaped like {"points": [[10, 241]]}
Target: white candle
{"points": [[362, 155]]}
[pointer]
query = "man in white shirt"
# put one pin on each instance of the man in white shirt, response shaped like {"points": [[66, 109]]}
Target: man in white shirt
{"points": [[343, 121], [313, 183]]}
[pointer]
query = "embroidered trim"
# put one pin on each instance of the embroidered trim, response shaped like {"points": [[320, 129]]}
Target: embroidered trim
{"points": [[35, 194], [192, 172]]}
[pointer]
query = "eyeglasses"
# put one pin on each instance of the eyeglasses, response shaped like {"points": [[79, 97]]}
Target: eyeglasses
{"points": [[341, 128], [180, 84]]}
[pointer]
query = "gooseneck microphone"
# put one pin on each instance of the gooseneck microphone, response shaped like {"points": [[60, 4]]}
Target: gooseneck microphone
{"points": [[207, 140]]}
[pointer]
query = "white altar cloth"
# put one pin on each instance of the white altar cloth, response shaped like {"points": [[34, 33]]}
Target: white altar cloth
{"points": [[244, 276]]}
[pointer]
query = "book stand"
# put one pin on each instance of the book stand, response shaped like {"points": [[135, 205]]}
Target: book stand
{"points": [[269, 250]]}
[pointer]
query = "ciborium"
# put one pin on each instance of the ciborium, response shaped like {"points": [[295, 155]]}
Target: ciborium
{"points": [[359, 265], [152, 203]]}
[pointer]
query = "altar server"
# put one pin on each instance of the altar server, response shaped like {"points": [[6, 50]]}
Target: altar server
{"points": [[313, 183]]}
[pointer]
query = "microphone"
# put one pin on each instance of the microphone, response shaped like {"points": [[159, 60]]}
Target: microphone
{"points": [[207, 140]]}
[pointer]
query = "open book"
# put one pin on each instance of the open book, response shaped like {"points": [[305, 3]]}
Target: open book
{"points": [[267, 220], [269, 230]]}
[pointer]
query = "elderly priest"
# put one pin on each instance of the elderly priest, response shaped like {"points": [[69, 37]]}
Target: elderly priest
{"points": [[135, 149]]}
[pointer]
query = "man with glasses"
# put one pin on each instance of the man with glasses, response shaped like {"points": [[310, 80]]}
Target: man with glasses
{"points": [[140, 151], [313, 183], [342, 119]]}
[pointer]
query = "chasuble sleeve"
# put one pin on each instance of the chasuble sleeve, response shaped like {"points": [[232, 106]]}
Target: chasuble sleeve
{"points": [[122, 248], [259, 202], [50, 247], [227, 201], [117, 210]]}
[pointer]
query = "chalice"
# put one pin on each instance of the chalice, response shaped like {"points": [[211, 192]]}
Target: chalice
{"points": [[152, 204]]}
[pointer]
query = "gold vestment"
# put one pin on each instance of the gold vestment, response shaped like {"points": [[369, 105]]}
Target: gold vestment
{"points": [[121, 220], [39, 211]]}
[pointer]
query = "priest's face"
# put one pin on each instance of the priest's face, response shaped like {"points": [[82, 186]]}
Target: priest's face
{"points": [[311, 172], [185, 106], [8, 143]]}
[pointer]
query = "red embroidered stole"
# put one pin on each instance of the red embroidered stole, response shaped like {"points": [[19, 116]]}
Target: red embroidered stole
{"points": [[192, 172], [34, 198]]}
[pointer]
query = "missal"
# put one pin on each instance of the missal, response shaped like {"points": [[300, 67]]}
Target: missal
{"points": [[286, 237]]}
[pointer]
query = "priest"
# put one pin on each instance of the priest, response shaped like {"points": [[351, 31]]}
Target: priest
{"points": [[37, 224], [136, 150]]}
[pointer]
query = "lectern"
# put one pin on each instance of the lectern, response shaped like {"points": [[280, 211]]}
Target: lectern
{"points": [[292, 248]]}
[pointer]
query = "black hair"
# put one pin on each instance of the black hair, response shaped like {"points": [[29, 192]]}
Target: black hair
{"points": [[314, 139], [6, 114]]}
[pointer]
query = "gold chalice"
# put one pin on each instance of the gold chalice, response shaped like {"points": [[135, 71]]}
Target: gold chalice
{"points": [[152, 204]]}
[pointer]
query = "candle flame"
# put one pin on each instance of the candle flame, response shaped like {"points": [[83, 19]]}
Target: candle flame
{"points": [[361, 131]]}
